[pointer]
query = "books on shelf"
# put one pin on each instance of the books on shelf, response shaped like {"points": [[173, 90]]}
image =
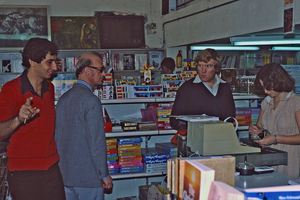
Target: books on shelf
{"points": [[228, 61], [294, 71], [155, 58], [197, 180], [128, 62], [70, 64], [14, 65], [223, 167], [140, 61]]}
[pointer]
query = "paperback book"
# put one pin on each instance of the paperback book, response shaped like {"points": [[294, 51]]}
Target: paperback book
{"points": [[197, 180]]}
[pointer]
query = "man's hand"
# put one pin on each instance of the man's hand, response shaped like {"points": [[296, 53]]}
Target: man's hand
{"points": [[107, 184], [27, 112]]}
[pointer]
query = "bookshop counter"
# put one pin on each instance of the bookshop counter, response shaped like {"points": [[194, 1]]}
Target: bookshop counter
{"points": [[261, 180]]}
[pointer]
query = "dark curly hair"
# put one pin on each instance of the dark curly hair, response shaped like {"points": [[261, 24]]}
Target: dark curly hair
{"points": [[273, 77], [206, 55], [168, 63], [36, 49]]}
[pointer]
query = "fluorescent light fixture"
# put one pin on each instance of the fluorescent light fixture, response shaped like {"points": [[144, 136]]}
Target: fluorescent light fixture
{"points": [[268, 42], [263, 40], [275, 48], [226, 48]]}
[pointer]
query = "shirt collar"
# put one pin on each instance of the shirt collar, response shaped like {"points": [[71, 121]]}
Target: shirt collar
{"points": [[26, 85], [288, 95], [214, 89], [86, 84], [218, 80]]}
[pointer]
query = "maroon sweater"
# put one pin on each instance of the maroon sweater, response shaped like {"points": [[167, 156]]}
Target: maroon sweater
{"points": [[196, 99]]}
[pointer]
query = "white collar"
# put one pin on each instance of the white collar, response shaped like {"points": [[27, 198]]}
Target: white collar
{"points": [[215, 88], [218, 80], [268, 98]]}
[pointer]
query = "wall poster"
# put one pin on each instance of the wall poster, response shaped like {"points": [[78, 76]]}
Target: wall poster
{"points": [[74, 32], [20, 23]]}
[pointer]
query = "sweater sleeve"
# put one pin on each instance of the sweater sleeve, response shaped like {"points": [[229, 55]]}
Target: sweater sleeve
{"points": [[178, 109], [229, 109]]}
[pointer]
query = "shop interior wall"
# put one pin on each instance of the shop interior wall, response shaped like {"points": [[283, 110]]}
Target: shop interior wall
{"points": [[222, 19], [151, 9]]}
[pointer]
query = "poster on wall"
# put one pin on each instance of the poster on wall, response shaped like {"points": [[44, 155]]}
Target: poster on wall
{"points": [[74, 32], [288, 15], [20, 23]]}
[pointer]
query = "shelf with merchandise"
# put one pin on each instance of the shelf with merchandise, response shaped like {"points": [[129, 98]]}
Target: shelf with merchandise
{"points": [[137, 100], [137, 175], [140, 133], [236, 96]]}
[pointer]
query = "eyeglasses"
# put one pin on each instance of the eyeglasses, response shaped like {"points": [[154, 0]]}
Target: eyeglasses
{"points": [[102, 69], [209, 66]]}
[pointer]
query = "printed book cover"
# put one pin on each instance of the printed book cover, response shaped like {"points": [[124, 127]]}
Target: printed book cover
{"points": [[197, 180], [220, 190], [128, 62]]}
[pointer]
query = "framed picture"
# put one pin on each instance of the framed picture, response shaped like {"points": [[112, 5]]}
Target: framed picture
{"points": [[74, 32], [20, 23], [120, 31]]}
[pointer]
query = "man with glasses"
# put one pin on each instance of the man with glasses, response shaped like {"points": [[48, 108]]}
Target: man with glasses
{"points": [[204, 94], [27, 120], [79, 133]]}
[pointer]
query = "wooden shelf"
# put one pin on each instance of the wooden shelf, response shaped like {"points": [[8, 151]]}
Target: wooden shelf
{"points": [[137, 175], [137, 100], [162, 100]]}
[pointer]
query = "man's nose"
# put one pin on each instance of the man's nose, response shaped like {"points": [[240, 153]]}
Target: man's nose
{"points": [[54, 65], [204, 68]]}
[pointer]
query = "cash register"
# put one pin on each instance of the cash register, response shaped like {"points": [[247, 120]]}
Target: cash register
{"points": [[208, 136]]}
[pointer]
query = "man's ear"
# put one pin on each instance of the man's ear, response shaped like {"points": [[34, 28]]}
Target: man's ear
{"points": [[86, 71], [32, 63]]}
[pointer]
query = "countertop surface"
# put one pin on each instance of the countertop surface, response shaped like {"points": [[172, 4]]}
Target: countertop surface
{"points": [[261, 180]]}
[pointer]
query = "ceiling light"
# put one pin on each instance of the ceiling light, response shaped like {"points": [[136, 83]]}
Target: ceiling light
{"points": [[263, 40], [279, 48], [226, 48]]}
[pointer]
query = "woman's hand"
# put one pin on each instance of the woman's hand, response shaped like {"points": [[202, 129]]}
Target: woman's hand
{"points": [[254, 130], [267, 140]]}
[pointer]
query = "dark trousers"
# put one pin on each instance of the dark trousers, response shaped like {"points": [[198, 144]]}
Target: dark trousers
{"points": [[37, 185]]}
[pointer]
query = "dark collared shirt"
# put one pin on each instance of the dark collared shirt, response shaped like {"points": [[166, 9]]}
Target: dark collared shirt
{"points": [[26, 85]]}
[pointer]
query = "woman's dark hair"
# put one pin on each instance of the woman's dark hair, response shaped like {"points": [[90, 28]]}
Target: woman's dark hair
{"points": [[168, 63], [206, 55], [36, 49], [273, 77]]}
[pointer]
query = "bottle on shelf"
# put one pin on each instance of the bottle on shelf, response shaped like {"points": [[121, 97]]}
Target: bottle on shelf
{"points": [[179, 59]]}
